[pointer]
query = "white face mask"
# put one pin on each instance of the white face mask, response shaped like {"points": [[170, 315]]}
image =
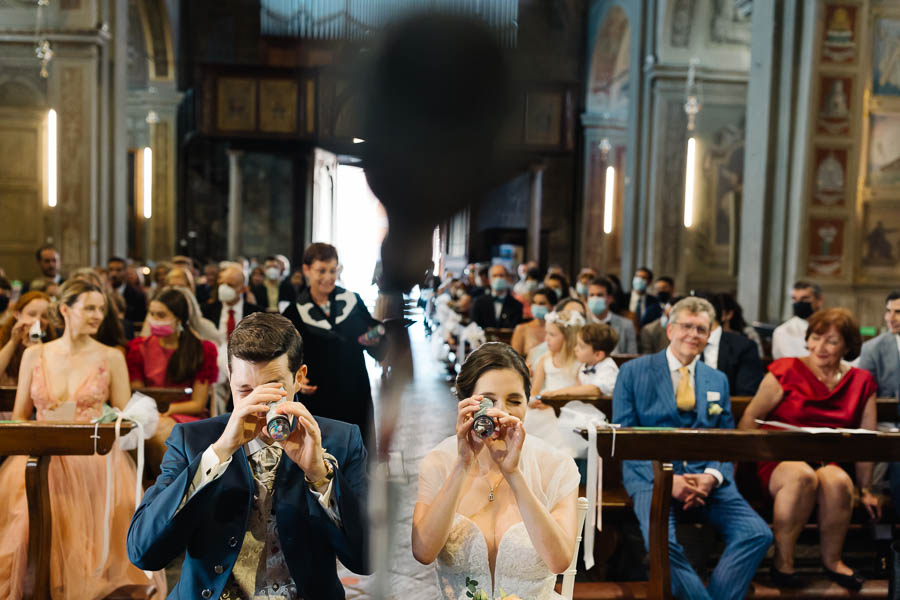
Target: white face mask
{"points": [[273, 273], [226, 293]]}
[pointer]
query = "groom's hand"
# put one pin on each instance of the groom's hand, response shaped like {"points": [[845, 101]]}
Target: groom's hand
{"points": [[247, 419], [304, 445]]}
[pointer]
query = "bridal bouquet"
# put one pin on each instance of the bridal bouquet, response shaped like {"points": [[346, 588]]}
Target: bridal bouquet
{"points": [[475, 594]]}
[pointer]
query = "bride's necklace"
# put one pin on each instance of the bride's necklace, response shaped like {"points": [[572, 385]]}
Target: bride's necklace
{"points": [[493, 487]]}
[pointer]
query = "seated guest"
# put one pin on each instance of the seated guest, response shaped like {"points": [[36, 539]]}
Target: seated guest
{"points": [[529, 279], [558, 368], [789, 338], [566, 304], [640, 299], [172, 356], [523, 290], [114, 329], [275, 287], [499, 510], [817, 390], [733, 321], [528, 335], [585, 277], [881, 357], [135, 300], [674, 389], [597, 371], [733, 354], [230, 304], [70, 379], [180, 277], [600, 299], [272, 525], [665, 289], [158, 279], [48, 260], [619, 303], [482, 282], [499, 308], [559, 284], [14, 335], [653, 337]]}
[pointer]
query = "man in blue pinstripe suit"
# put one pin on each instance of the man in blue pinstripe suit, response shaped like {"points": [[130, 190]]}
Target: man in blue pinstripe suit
{"points": [[673, 389]]}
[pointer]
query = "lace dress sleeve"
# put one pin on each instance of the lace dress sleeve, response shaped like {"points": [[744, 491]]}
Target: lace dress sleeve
{"points": [[434, 470]]}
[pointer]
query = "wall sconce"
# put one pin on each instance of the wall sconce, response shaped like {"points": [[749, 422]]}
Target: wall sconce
{"points": [[147, 181], [692, 105], [51, 158], [608, 200], [689, 182]]}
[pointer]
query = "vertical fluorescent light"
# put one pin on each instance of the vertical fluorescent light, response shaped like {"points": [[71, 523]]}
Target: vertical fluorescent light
{"points": [[51, 158], [608, 200], [147, 174], [689, 184]]}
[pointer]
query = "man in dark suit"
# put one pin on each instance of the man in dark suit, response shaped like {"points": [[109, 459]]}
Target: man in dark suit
{"points": [[135, 299], [499, 308], [733, 354], [257, 517], [230, 295], [674, 389], [48, 260]]}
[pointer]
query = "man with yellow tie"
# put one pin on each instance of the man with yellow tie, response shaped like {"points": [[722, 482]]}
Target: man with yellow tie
{"points": [[673, 388]]}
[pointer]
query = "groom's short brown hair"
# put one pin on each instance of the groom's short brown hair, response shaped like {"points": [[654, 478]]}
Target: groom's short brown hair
{"points": [[262, 337]]}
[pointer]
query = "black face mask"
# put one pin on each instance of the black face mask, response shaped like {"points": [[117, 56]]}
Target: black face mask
{"points": [[664, 297], [4, 302], [803, 309]]}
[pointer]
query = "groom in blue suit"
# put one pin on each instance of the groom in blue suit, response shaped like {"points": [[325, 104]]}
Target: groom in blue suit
{"points": [[673, 389], [256, 517]]}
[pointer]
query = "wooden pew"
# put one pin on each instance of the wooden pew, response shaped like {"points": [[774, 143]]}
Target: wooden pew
{"points": [[887, 407], [498, 334], [165, 396], [662, 446], [41, 441]]}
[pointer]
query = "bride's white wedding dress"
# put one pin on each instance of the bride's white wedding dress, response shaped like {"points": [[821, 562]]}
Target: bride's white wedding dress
{"points": [[551, 475]]}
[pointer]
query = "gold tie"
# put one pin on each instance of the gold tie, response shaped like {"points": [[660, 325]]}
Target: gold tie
{"points": [[684, 399]]}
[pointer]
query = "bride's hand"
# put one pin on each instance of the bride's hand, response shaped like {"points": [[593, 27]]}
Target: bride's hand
{"points": [[468, 444], [505, 446]]}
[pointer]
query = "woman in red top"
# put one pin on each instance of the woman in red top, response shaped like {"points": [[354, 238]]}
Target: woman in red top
{"points": [[172, 356], [819, 390]]}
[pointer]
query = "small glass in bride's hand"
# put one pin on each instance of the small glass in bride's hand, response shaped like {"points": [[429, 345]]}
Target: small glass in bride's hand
{"points": [[483, 425]]}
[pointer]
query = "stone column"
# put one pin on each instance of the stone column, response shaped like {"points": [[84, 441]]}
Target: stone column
{"points": [[118, 216], [774, 171], [534, 219], [235, 193]]}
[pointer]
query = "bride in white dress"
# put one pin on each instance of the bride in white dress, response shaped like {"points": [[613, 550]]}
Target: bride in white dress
{"points": [[499, 511]]}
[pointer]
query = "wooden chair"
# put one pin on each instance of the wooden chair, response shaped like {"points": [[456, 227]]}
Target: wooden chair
{"points": [[568, 580], [41, 441], [661, 446]]}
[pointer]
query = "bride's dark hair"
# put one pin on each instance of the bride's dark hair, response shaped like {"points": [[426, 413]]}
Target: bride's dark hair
{"points": [[490, 357]]}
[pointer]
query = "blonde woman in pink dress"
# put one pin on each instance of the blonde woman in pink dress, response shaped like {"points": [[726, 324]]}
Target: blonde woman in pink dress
{"points": [[69, 379]]}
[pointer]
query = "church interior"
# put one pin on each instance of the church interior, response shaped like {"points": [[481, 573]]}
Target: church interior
{"points": [[625, 156]]}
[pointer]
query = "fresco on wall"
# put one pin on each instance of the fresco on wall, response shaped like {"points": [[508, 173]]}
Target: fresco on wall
{"points": [[881, 235], [730, 24], [884, 150], [826, 246], [886, 58], [839, 43], [608, 85], [834, 105], [829, 181]]}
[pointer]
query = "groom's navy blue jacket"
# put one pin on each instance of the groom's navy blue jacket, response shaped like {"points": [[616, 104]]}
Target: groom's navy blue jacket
{"points": [[211, 525]]}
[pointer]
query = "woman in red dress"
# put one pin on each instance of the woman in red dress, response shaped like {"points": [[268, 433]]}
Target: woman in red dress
{"points": [[172, 356], [818, 390]]}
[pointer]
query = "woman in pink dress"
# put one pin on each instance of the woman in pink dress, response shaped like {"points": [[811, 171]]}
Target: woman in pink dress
{"points": [[819, 390], [172, 356], [70, 379]]}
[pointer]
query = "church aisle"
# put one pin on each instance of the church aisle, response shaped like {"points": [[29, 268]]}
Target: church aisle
{"points": [[428, 416]]}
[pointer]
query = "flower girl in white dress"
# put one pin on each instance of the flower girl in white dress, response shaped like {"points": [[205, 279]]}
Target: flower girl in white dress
{"points": [[498, 510]]}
